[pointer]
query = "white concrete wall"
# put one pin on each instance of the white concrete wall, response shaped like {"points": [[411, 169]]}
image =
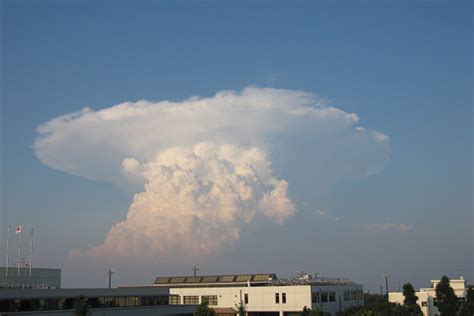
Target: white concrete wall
{"points": [[262, 298]]}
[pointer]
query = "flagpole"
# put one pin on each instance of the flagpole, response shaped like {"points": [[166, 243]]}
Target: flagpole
{"points": [[8, 252], [19, 250], [31, 249]]}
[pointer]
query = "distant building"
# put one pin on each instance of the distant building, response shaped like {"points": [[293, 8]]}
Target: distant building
{"points": [[145, 301], [427, 296], [263, 294], [40, 278]]}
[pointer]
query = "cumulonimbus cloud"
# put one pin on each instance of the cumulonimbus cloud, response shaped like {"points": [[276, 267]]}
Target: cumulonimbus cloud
{"points": [[206, 165]]}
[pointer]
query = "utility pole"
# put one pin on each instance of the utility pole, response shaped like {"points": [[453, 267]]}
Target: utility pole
{"points": [[386, 276], [195, 270], [110, 272]]}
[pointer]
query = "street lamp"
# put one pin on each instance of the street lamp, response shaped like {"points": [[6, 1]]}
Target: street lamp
{"points": [[111, 271]]}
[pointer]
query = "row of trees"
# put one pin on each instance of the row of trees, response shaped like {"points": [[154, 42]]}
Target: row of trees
{"points": [[446, 302]]}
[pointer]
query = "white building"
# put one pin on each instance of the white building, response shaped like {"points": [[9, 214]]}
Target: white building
{"points": [[427, 296], [263, 294]]}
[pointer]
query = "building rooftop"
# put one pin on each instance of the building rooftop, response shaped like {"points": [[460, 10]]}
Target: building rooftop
{"points": [[74, 293], [244, 279], [215, 279]]}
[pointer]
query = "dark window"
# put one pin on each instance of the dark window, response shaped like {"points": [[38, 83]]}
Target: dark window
{"points": [[174, 299], [277, 298], [424, 304], [315, 298], [210, 299], [94, 302], [332, 296], [246, 298], [68, 303], [324, 297], [191, 300], [283, 298]]}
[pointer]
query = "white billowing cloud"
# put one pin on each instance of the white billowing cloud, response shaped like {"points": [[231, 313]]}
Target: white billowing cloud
{"points": [[391, 226], [196, 200], [209, 165]]}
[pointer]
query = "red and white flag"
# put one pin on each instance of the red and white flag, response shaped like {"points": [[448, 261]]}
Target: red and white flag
{"points": [[18, 230]]}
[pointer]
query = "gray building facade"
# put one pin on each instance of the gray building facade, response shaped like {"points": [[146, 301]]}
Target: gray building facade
{"points": [[103, 302], [40, 278]]}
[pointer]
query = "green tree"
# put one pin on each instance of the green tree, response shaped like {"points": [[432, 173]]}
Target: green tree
{"points": [[445, 297], [306, 311], [467, 309], [318, 312], [203, 309], [410, 300], [241, 309], [409, 294], [315, 312], [81, 307], [364, 312], [349, 311]]}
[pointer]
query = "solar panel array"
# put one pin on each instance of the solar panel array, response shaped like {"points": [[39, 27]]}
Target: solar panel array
{"points": [[243, 278], [226, 278], [177, 280], [209, 279], [216, 279]]}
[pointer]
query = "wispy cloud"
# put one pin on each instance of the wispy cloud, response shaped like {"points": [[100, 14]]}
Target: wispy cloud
{"points": [[326, 215], [391, 226]]}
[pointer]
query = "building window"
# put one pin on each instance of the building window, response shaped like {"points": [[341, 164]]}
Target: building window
{"points": [[190, 300], [315, 298], [360, 295], [424, 304], [324, 297], [211, 299], [283, 298], [277, 298], [346, 295], [174, 299], [332, 296], [246, 298]]}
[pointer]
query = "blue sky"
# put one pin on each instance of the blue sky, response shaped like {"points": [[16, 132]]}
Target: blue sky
{"points": [[405, 68]]}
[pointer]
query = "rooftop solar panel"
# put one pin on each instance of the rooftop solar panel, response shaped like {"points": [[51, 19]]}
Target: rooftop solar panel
{"points": [[226, 278], [162, 280], [261, 277], [177, 280], [243, 278], [208, 279], [215, 278], [193, 279]]}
